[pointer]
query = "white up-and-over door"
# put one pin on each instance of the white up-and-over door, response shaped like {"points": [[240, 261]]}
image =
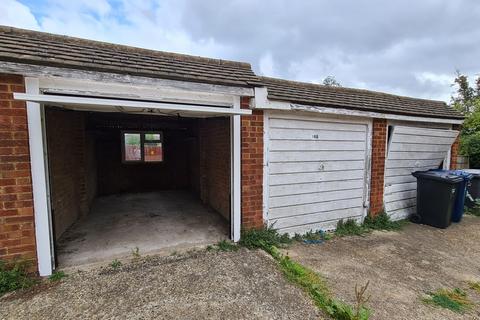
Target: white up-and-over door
{"points": [[411, 149], [317, 172]]}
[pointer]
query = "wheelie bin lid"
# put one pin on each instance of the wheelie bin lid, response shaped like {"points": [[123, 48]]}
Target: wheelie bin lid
{"points": [[461, 173], [474, 172], [439, 175]]}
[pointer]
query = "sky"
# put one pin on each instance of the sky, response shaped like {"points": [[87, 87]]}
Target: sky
{"points": [[404, 47]]}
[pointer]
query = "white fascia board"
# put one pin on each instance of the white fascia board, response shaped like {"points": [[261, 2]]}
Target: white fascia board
{"points": [[100, 102], [40, 72], [264, 103]]}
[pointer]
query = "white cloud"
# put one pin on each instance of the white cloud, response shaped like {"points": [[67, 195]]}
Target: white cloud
{"points": [[15, 14], [266, 65]]}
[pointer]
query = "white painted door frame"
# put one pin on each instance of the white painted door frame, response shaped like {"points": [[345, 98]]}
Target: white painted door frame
{"points": [[40, 175]]}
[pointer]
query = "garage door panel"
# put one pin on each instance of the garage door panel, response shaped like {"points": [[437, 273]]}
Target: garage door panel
{"points": [[428, 132], [418, 147], [424, 155], [315, 166], [301, 188], [310, 134], [292, 200], [411, 149], [312, 124], [301, 145], [412, 164], [297, 156], [282, 179], [315, 207], [317, 217], [402, 213], [424, 139]]}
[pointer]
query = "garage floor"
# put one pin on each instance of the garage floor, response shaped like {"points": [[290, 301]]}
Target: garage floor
{"points": [[153, 222]]}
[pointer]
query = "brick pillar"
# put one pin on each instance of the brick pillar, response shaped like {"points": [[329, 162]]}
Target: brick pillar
{"points": [[454, 149], [17, 234], [252, 167], [379, 143]]}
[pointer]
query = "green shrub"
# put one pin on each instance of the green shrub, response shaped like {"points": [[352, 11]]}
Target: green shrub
{"points": [[349, 227], [382, 221], [57, 275], [14, 275], [470, 145], [263, 238], [455, 300]]}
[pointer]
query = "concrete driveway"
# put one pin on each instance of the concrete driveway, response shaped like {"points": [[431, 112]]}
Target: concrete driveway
{"points": [[401, 267], [202, 285]]}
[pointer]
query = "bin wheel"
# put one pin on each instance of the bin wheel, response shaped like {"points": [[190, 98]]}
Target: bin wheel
{"points": [[415, 218]]}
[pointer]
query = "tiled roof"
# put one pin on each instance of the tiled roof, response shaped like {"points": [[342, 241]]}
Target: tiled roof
{"points": [[320, 95], [38, 48]]}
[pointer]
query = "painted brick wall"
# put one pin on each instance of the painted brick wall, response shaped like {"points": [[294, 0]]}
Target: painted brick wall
{"points": [[379, 144], [67, 165], [215, 164], [455, 149], [17, 233], [252, 167]]}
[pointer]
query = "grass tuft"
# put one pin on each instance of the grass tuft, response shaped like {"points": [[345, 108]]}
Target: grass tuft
{"points": [[350, 227], [115, 264], [382, 221], [57, 275], [455, 300], [14, 275], [227, 246], [264, 238], [311, 235], [474, 285]]}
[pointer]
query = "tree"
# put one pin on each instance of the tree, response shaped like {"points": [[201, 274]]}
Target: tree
{"points": [[331, 82], [467, 101]]}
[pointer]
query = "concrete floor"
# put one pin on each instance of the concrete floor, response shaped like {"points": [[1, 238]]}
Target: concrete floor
{"points": [[154, 222], [401, 267]]}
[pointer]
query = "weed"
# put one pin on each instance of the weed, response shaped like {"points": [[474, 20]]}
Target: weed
{"points": [[382, 221], [14, 275], [57, 275], [474, 286], [210, 248], [225, 245], [136, 253], [455, 300], [349, 228], [115, 264], [474, 211], [313, 236], [263, 238], [316, 287]]}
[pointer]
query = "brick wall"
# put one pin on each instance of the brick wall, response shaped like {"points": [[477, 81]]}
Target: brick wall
{"points": [[17, 233], [252, 167], [67, 166], [215, 164], [378, 165], [455, 149]]}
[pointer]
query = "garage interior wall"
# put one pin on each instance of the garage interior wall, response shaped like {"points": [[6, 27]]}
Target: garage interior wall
{"points": [[84, 154]]}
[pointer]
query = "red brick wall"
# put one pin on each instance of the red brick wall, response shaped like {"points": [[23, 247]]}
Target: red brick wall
{"points": [[66, 156], [379, 143], [215, 164], [455, 149], [252, 168], [17, 233]]}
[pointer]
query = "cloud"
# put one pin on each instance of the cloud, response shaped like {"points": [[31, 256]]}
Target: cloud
{"points": [[407, 47]]}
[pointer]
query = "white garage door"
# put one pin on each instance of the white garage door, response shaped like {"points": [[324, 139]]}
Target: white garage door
{"points": [[316, 172], [411, 149]]}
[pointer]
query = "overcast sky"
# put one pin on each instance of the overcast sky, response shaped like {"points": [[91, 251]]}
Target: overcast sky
{"points": [[404, 47]]}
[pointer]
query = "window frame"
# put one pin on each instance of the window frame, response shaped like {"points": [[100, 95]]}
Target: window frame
{"points": [[142, 146]]}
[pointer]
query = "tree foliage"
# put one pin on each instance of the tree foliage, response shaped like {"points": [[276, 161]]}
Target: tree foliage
{"points": [[331, 82], [467, 101]]}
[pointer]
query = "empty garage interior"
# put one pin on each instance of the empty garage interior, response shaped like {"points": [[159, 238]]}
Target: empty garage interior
{"points": [[121, 181]]}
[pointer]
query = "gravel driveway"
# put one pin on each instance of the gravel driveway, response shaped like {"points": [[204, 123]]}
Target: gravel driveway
{"points": [[401, 267], [200, 285]]}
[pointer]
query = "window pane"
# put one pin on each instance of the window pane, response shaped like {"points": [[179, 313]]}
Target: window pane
{"points": [[152, 136], [132, 147], [153, 152]]}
